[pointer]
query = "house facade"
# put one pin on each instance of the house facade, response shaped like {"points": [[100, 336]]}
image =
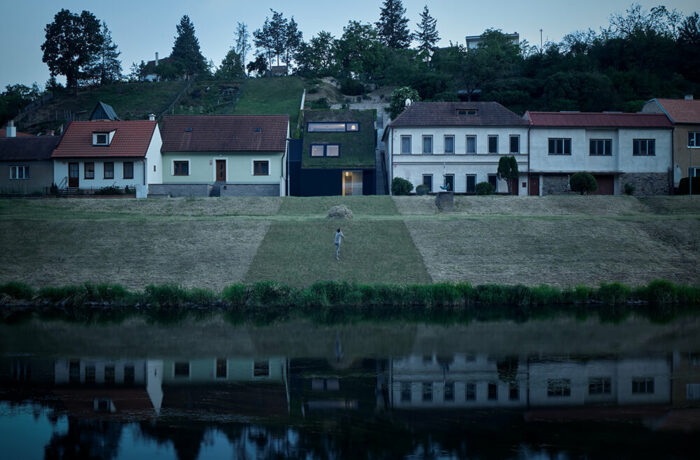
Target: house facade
{"points": [[337, 155], [106, 153], [685, 116], [616, 148], [456, 145], [223, 155], [25, 164]]}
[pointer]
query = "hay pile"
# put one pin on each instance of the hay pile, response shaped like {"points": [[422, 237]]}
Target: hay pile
{"points": [[339, 212]]}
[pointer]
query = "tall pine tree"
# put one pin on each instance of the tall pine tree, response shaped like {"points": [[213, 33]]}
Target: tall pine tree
{"points": [[186, 54], [106, 67], [427, 34], [392, 26], [242, 44]]}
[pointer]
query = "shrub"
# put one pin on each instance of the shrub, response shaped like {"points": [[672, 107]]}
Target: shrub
{"points": [[484, 188], [236, 294], [269, 293], [53, 190], [613, 293], [629, 189], [545, 295], [166, 294], [17, 290], [684, 186], [321, 103], [422, 189], [111, 190], [351, 87], [400, 186], [583, 182]]}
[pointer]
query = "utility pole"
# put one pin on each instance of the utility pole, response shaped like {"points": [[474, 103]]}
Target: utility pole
{"points": [[541, 43]]}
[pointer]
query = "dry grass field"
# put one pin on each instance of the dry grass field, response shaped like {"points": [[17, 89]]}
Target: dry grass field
{"points": [[213, 242]]}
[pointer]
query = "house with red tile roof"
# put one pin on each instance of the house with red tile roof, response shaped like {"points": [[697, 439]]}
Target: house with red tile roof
{"points": [[685, 116], [104, 153], [617, 148], [223, 155]]}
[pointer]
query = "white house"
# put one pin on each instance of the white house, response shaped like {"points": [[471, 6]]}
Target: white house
{"points": [[456, 145], [617, 148]]}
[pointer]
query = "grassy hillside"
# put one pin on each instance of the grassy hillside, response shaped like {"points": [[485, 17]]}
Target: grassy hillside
{"points": [[272, 96], [213, 242]]}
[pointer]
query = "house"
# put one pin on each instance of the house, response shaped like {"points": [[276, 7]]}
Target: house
{"points": [[104, 153], [617, 148], [25, 164], [685, 116], [337, 155], [223, 155], [103, 111], [150, 70], [474, 41], [456, 145]]}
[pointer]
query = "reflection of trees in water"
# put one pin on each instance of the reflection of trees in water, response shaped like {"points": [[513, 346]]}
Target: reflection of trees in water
{"points": [[507, 369], [186, 440], [86, 439]]}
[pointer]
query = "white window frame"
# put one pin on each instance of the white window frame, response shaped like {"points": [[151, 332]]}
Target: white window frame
{"points": [[17, 169], [252, 166], [488, 144], [604, 141], [410, 144], [172, 167], [510, 140], [563, 141], [466, 183], [466, 144], [216, 363], [646, 143], [104, 170], [109, 134], [431, 181], [432, 145], [213, 167], [444, 145], [695, 143], [252, 369]]}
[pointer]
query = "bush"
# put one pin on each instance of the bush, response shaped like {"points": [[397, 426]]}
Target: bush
{"points": [[484, 188], [236, 294], [351, 87], [17, 290], [321, 103], [111, 190], [613, 293], [400, 186], [629, 189], [53, 190], [583, 182], [422, 189], [684, 186], [166, 294]]}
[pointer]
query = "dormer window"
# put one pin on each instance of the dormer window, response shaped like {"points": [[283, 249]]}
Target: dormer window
{"points": [[333, 127], [466, 111], [100, 138], [257, 130]]}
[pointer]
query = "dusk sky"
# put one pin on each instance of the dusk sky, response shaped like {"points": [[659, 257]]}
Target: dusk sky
{"points": [[140, 28]]}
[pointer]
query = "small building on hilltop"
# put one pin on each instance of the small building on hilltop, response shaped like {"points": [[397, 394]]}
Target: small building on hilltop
{"points": [[25, 164], [104, 111], [337, 156]]}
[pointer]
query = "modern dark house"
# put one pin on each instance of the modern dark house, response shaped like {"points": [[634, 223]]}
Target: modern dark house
{"points": [[337, 155], [25, 164]]}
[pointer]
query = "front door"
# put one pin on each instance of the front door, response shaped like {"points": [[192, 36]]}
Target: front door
{"points": [[73, 175], [221, 170], [534, 186]]}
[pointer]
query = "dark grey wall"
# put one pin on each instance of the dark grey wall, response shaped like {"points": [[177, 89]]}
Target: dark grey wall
{"points": [[40, 177]]}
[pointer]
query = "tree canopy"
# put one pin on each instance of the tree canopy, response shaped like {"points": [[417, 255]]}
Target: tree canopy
{"points": [[186, 55], [392, 27], [105, 66], [426, 35]]}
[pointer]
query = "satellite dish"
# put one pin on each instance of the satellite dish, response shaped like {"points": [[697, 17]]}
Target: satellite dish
{"points": [[408, 102]]}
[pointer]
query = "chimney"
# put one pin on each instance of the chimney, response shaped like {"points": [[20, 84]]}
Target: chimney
{"points": [[156, 58], [11, 131], [688, 97], [151, 117]]}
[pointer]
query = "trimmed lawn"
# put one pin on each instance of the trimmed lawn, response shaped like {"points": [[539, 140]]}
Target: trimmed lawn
{"points": [[319, 206], [272, 96]]}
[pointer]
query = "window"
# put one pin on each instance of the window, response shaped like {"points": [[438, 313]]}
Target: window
{"points": [[332, 127], [352, 127], [405, 391], [493, 180], [515, 144], [493, 391], [181, 168], [74, 372], [643, 385], [558, 387], [599, 386], [89, 170], [644, 147], [261, 168], [109, 170], [19, 172], [493, 144], [405, 144], [261, 369], [427, 144], [449, 144], [466, 112], [325, 150], [449, 391], [109, 375], [559, 146], [514, 392], [182, 369], [427, 391], [90, 374], [449, 182], [692, 391], [600, 147], [129, 374], [100, 138], [128, 170], [471, 144], [694, 139], [221, 369], [470, 391], [428, 181], [471, 183]]}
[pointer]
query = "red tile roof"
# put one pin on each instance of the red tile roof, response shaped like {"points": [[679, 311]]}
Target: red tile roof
{"points": [[224, 133], [3, 133], [681, 110], [597, 120], [131, 139]]}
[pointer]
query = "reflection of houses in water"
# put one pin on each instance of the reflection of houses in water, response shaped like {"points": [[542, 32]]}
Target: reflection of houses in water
{"points": [[465, 381]]}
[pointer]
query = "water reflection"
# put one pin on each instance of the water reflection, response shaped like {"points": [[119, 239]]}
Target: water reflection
{"points": [[399, 406]]}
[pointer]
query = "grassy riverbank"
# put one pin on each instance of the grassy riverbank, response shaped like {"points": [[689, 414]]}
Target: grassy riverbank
{"points": [[211, 243]]}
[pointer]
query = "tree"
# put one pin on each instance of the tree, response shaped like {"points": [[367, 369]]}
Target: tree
{"points": [[393, 25], [259, 65], [14, 98], [316, 58], [186, 54], [231, 66], [583, 182], [278, 34], [359, 51], [106, 66], [263, 41], [398, 100], [242, 45], [72, 42], [293, 40], [427, 34], [508, 170]]}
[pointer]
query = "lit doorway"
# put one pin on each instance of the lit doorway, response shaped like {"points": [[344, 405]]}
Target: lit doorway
{"points": [[352, 183]]}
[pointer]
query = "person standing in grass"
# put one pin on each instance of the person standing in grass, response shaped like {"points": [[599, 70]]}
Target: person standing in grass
{"points": [[337, 239]]}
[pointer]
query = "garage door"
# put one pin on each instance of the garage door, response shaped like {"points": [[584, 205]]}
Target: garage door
{"points": [[606, 184]]}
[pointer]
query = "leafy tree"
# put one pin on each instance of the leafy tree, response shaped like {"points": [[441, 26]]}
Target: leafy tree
{"points": [[398, 100], [242, 45], [72, 42], [400, 186], [106, 66], [262, 38], [231, 66], [427, 34], [508, 170], [186, 54], [278, 34], [316, 58], [293, 41], [393, 25], [359, 51], [583, 182], [14, 98], [259, 65]]}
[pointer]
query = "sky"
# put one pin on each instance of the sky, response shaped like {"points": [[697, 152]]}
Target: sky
{"points": [[140, 28]]}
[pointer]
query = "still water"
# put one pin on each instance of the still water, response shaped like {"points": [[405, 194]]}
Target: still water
{"points": [[201, 389]]}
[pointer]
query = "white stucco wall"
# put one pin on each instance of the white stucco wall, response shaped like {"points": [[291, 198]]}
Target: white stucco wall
{"points": [[154, 161], [61, 173]]}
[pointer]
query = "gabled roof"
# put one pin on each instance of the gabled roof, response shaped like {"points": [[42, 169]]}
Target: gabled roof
{"points": [[597, 120], [446, 114], [356, 148], [131, 139], [224, 133], [27, 148], [3, 133], [681, 110], [103, 110]]}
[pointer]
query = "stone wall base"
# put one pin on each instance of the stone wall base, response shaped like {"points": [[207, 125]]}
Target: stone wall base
{"points": [[555, 184], [179, 190], [250, 190], [645, 184]]}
